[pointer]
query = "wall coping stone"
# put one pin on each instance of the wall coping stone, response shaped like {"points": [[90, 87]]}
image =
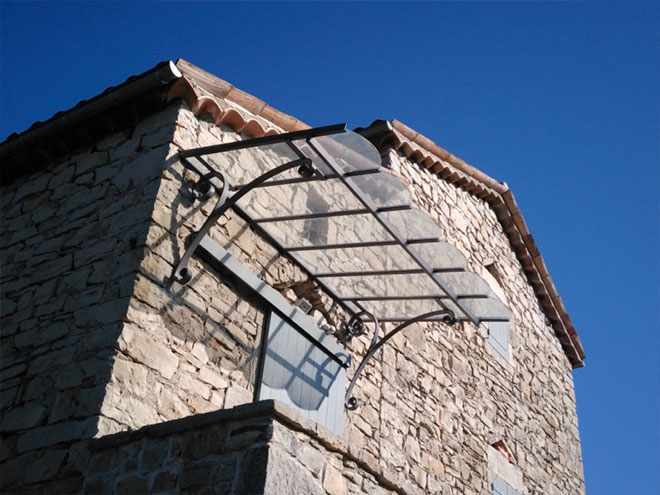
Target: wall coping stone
{"points": [[265, 409]]}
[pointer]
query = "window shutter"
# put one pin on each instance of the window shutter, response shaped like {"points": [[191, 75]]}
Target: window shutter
{"points": [[498, 336], [298, 373], [501, 487]]}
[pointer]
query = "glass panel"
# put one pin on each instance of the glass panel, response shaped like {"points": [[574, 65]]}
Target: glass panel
{"points": [[298, 199], [404, 309], [440, 255], [323, 196], [242, 166], [464, 283], [350, 151], [356, 259], [383, 189], [487, 308], [329, 230], [459, 314], [383, 285], [413, 224]]}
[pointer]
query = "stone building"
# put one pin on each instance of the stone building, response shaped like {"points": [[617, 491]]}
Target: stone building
{"points": [[136, 361]]}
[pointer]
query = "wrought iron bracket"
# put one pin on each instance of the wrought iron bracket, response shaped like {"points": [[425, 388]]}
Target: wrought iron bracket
{"points": [[204, 189], [350, 402]]}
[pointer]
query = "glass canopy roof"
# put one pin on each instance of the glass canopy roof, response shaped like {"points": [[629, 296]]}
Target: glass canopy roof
{"points": [[351, 225]]}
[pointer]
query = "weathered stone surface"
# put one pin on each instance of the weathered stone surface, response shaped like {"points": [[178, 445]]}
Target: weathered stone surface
{"points": [[213, 378], [235, 396], [132, 375], [284, 475], [144, 349], [132, 485], [333, 481], [312, 459], [22, 418]]}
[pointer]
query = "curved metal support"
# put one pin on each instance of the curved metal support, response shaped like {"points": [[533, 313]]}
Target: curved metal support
{"points": [[181, 273], [355, 327], [351, 403]]}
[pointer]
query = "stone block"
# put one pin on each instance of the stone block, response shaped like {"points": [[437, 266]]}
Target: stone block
{"points": [[188, 383], [236, 395], [212, 378], [204, 473], [144, 168], [22, 418], [46, 436], [164, 482], [132, 485], [128, 410], [333, 481], [33, 186], [296, 481], [12, 371], [45, 467], [153, 456], [142, 348], [312, 459], [200, 351], [131, 375], [171, 406]]}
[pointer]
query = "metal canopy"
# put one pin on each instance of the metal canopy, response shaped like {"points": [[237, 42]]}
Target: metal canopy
{"points": [[321, 197], [349, 224]]}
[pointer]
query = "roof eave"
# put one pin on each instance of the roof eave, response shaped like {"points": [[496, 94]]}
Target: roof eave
{"points": [[40, 132]]}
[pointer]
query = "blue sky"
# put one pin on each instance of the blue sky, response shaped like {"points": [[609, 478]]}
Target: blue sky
{"points": [[561, 100]]}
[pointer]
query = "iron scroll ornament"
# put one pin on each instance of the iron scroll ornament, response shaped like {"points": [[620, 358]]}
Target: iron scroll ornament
{"points": [[204, 190], [351, 403]]}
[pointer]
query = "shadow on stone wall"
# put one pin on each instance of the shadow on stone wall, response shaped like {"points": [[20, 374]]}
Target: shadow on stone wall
{"points": [[67, 283]]}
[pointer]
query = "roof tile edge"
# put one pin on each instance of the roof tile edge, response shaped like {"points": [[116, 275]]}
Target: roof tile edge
{"points": [[421, 149]]}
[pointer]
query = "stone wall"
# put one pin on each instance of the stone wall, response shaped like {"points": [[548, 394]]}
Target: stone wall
{"points": [[260, 448], [188, 349], [72, 238], [439, 396], [435, 400], [95, 341]]}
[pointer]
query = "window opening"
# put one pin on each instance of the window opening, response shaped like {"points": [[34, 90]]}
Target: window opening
{"points": [[506, 477], [498, 337], [498, 331], [492, 269]]}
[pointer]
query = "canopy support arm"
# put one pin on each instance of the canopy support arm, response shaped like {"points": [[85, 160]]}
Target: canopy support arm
{"points": [[204, 189], [351, 403]]}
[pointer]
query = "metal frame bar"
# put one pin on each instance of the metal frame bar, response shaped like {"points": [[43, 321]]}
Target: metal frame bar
{"points": [[328, 214], [349, 245], [181, 273], [273, 301], [392, 298], [265, 140], [373, 273]]}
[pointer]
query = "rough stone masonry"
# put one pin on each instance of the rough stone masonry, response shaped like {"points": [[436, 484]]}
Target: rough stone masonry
{"points": [[95, 343]]}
